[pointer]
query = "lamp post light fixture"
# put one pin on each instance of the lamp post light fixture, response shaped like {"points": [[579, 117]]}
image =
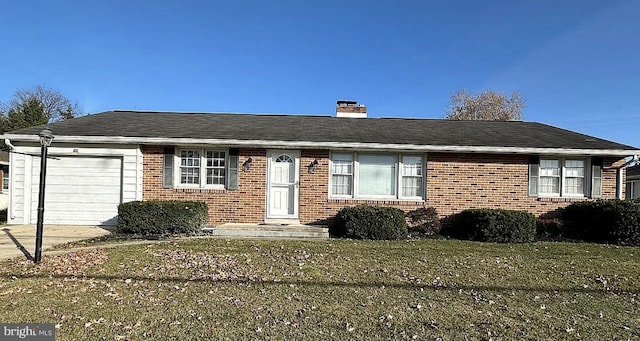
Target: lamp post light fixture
{"points": [[46, 137]]}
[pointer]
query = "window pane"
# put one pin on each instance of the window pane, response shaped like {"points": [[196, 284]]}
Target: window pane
{"points": [[341, 174], [411, 187], [377, 175], [5, 178], [575, 172], [574, 177], [189, 175], [215, 161], [550, 185], [341, 157], [412, 165], [341, 185], [189, 167], [342, 167], [574, 163], [215, 176], [284, 158], [574, 185], [411, 176], [549, 168], [636, 189], [574, 168]]}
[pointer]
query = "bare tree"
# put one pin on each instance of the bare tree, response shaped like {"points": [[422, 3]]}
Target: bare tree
{"points": [[488, 105], [55, 105], [35, 106]]}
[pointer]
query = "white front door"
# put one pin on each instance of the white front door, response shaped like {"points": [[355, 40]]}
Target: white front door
{"points": [[283, 178]]}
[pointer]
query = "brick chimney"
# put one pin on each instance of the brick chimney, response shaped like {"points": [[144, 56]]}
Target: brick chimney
{"points": [[350, 109]]}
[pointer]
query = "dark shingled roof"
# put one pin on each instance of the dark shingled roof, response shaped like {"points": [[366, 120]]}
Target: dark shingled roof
{"points": [[433, 132]]}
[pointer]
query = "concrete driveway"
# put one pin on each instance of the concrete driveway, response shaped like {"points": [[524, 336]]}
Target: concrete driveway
{"points": [[20, 240]]}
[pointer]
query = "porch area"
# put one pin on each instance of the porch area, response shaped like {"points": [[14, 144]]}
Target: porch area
{"points": [[296, 231]]}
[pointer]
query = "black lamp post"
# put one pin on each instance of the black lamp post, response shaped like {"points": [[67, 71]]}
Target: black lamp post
{"points": [[45, 141]]}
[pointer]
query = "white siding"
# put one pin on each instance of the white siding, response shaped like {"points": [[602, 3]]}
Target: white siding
{"points": [[84, 184], [79, 190]]}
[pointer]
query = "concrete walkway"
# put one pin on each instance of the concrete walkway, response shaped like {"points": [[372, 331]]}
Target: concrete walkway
{"points": [[20, 240]]}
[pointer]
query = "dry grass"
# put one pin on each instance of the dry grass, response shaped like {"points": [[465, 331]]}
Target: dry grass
{"points": [[337, 289]]}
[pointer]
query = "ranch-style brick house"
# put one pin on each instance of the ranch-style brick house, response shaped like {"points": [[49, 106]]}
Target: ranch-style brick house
{"points": [[302, 169]]}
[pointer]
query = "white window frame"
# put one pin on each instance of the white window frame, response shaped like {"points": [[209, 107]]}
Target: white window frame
{"points": [[351, 175], [5, 179], [563, 184], [398, 176], [401, 176], [562, 162], [203, 168], [356, 178], [558, 177], [632, 185], [224, 167]]}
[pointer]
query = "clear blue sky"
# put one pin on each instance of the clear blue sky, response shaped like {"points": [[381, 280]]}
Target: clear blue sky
{"points": [[576, 63]]}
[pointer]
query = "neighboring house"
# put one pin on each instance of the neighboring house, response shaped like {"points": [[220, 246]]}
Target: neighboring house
{"points": [[4, 180], [289, 169], [633, 182]]}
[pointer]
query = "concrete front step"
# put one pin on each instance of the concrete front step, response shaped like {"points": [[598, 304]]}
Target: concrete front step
{"points": [[270, 231]]}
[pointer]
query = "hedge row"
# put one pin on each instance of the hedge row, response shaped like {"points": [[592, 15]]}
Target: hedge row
{"points": [[370, 222], [387, 223], [159, 218], [603, 221], [493, 225]]}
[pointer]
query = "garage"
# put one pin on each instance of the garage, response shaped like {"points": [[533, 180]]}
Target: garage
{"points": [[79, 190]]}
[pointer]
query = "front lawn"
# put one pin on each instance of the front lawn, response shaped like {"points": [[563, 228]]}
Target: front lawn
{"points": [[336, 289]]}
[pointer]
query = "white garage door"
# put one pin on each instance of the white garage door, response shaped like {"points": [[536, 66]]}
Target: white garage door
{"points": [[79, 190]]}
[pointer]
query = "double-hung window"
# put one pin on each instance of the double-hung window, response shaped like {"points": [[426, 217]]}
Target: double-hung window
{"points": [[574, 177], [564, 177], [342, 174], [412, 176], [376, 176], [549, 177], [202, 168], [215, 167], [190, 167]]}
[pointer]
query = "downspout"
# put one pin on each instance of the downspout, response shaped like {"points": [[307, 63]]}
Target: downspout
{"points": [[10, 213], [620, 183]]}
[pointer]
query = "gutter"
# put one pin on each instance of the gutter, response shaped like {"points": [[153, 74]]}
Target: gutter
{"points": [[327, 145], [8, 143]]}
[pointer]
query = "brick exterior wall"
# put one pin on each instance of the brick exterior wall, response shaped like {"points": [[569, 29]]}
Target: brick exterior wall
{"points": [[460, 181], [454, 182], [244, 205]]}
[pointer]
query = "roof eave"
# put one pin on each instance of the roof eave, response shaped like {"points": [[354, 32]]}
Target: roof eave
{"points": [[327, 145]]}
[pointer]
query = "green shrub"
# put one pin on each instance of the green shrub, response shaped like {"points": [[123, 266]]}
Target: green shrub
{"points": [[370, 222], [493, 225], [604, 221], [549, 229], [161, 217], [423, 221]]}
